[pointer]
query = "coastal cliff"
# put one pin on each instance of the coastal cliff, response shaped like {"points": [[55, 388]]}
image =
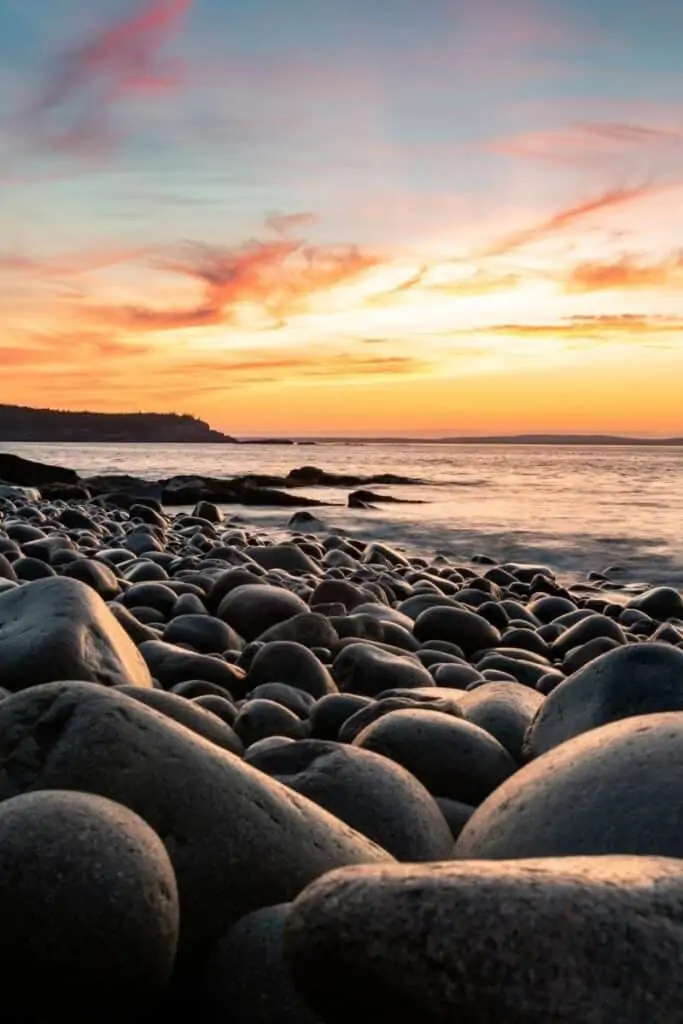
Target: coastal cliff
{"points": [[19, 423]]}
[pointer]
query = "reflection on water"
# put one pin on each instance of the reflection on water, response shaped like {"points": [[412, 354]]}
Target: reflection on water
{"points": [[576, 508]]}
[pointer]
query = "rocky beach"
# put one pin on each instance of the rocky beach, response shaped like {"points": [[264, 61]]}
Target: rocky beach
{"points": [[293, 777]]}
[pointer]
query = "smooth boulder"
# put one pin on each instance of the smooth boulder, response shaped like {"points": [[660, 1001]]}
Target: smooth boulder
{"points": [[450, 757], [370, 793], [59, 628], [237, 839], [89, 907], [528, 942], [637, 679], [616, 789]]}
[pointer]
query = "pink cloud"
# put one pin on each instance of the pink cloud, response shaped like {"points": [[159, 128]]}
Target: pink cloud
{"points": [[74, 109]]}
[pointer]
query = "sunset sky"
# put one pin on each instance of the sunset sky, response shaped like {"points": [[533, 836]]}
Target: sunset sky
{"points": [[299, 216]]}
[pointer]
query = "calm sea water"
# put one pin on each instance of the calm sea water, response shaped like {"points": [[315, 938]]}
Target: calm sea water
{"points": [[571, 507]]}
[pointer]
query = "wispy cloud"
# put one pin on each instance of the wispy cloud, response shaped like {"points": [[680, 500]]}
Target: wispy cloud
{"points": [[279, 277], [608, 200], [593, 327], [590, 143], [74, 110], [627, 272]]}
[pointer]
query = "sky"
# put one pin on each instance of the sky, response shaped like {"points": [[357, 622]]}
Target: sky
{"points": [[299, 217]]}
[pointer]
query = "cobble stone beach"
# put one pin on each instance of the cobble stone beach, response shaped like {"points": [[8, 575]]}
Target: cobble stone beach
{"points": [[300, 777]]}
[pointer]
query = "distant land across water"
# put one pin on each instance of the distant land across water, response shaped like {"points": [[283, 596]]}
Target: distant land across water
{"points": [[24, 424]]}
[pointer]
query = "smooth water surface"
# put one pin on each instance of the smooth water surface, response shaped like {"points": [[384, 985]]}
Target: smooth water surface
{"points": [[575, 508]]}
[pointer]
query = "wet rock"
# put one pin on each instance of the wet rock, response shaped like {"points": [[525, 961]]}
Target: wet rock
{"points": [[59, 628], [482, 942], [505, 710], [253, 608], [611, 790], [465, 628], [372, 794], [171, 665], [637, 679], [247, 979], [90, 910], [237, 840], [284, 661], [96, 575], [363, 669], [449, 756]]}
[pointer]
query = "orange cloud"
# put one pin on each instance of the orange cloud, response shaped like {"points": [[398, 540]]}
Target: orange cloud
{"points": [[609, 200], [586, 143], [73, 110], [594, 327], [626, 272], [278, 276]]}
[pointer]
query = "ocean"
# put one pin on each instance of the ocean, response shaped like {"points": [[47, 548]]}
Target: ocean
{"points": [[574, 508]]}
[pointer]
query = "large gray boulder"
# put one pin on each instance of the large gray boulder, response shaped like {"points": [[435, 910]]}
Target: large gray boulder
{"points": [[89, 908], [637, 679], [571, 940], [59, 628], [613, 790], [237, 839]]}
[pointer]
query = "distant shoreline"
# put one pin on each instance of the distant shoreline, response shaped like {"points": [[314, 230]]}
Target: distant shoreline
{"points": [[538, 440]]}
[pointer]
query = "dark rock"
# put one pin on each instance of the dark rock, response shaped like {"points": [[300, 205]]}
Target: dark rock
{"points": [[31, 569], [527, 942], [207, 510], [456, 814], [61, 629], [586, 629], [204, 633], [370, 793], [505, 710], [260, 718], [660, 603], [96, 575], [90, 910], [456, 676], [150, 595], [637, 679], [580, 656], [306, 628], [372, 712], [330, 713], [451, 757], [468, 630], [251, 609], [283, 556], [237, 840], [219, 706], [286, 662], [171, 665], [136, 630], [367, 670], [191, 715], [26, 473], [612, 790], [247, 980], [338, 592], [298, 701]]}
